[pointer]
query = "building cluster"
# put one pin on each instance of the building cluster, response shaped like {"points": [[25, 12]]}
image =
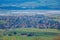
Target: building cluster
{"points": [[28, 21]]}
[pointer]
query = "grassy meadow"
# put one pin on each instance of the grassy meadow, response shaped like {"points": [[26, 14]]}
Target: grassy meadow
{"points": [[30, 34]]}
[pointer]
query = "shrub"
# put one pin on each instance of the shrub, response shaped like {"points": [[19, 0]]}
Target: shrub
{"points": [[14, 33], [9, 34], [31, 34]]}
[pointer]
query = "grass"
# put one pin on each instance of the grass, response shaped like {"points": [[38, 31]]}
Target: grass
{"points": [[40, 32], [35, 30], [28, 38]]}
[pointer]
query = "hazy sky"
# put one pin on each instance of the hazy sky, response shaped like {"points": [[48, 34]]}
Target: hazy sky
{"points": [[30, 4], [28, 12]]}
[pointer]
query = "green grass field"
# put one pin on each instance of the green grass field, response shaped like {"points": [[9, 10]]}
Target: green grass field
{"points": [[40, 34]]}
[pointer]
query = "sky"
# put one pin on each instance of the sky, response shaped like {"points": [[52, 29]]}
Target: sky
{"points": [[29, 4]]}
